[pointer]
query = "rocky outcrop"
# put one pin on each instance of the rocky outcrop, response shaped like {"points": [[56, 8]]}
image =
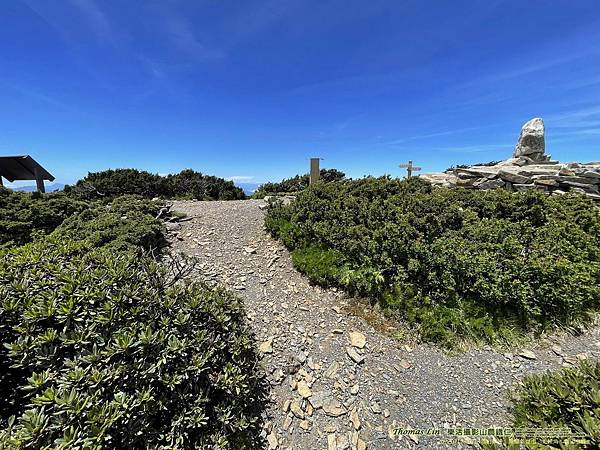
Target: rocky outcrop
{"points": [[531, 145], [529, 168]]}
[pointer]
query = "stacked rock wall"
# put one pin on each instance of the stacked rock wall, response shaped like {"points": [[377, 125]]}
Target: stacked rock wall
{"points": [[529, 168]]}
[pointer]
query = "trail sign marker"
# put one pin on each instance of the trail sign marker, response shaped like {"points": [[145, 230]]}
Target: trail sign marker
{"points": [[409, 168], [314, 170]]}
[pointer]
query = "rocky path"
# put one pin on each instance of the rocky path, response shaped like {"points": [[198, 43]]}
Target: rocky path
{"points": [[337, 383]]}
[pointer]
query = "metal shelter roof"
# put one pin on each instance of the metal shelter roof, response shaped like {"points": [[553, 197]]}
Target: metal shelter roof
{"points": [[22, 167]]}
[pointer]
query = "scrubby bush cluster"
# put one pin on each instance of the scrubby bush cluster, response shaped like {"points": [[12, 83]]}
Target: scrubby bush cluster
{"points": [[103, 353], [101, 347], [125, 222], [23, 214], [297, 183], [186, 184], [460, 264], [568, 398], [121, 222]]}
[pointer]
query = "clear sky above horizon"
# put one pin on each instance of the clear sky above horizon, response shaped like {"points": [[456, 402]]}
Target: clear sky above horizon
{"points": [[249, 90]]}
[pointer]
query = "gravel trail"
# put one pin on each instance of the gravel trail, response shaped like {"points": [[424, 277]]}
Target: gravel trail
{"points": [[326, 393]]}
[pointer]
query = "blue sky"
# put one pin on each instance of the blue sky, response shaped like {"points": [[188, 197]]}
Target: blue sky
{"points": [[251, 89]]}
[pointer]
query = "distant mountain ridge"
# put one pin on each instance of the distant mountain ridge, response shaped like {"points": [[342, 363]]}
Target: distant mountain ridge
{"points": [[32, 188], [248, 188]]}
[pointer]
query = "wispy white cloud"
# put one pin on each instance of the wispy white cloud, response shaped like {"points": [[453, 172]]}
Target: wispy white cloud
{"points": [[582, 83], [575, 124], [574, 115], [42, 11], [496, 83], [77, 22], [33, 94], [253, 18], [76, 18], [574, 133], [475, 148], [356, 84], [436, 134], [152, 67], [503, 150], [517, 70], [97, 20], [184, 38], [343, 124]]}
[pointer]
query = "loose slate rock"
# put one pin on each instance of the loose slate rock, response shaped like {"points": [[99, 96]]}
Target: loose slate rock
{"points": [[333, 408], [527, 354], [354, 419], [354, 355], [404, 364], [297, 410], [266, 346], [272, 440], [376, 408], [303, 389], [331, 442], [332, 370], [317, 399], [301, 357], [358, 339]]}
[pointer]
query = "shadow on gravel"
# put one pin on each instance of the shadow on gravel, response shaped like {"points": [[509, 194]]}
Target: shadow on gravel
{"points": [[260, 392]]}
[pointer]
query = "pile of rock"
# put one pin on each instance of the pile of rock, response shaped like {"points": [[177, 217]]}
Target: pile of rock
{"points": [[529, 168], [532, 144]]}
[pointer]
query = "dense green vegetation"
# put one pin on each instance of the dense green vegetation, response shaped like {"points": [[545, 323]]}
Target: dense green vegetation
{"points": [[568, 398], [458, 264], [23, 214], [186, 184], [296, 184], [103, 347], [122, 222], [125, 222]]}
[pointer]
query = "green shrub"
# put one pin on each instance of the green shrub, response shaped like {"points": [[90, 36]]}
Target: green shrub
{"points": [[460, 264], [321, 266], [277, 221], [297, 183], [192, 184], [122, 222], [568, 398], [186, 184], [101, 350], [23, 214], [126, 222], [130, 205], [114, 183]]}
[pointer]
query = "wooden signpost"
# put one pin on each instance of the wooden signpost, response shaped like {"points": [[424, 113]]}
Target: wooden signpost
{"points": [[314, 170], [409, 168]]}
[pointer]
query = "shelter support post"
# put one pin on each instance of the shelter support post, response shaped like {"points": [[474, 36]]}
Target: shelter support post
{"points": [[39, 181]]}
